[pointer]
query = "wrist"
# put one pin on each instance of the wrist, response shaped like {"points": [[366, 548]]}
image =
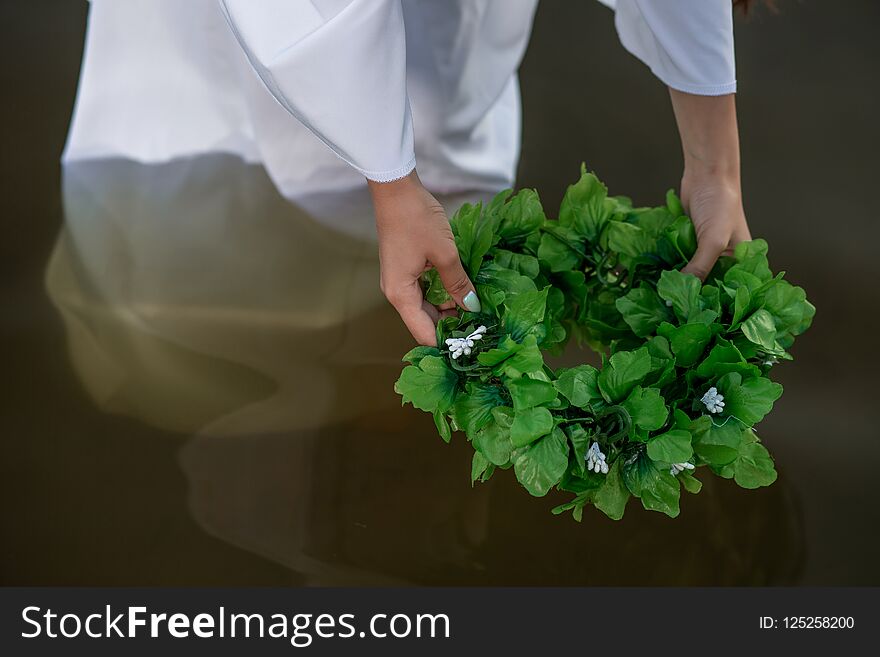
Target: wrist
{"points": [[723, 170], [696, 187], [709, 137], [715, 174], [395, 189]]}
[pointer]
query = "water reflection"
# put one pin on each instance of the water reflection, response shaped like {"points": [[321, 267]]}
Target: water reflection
{"points": [[199, 301]]}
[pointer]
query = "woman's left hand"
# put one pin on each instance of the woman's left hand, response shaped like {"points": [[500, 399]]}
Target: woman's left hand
{"points": [[710, 186]]}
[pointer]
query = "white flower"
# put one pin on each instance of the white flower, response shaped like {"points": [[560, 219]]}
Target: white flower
{"points": [[713, 401], [459, 346], [675, 468], [596, 459]]}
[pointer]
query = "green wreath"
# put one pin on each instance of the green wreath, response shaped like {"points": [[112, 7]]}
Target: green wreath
{"points": [[685, 365]]}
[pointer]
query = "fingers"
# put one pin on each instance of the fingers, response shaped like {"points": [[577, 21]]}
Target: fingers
{"points": [[418, 315], [431, 311], [455, 279], [436, 313], [447, 305], [709, 248], [741, 234], [699, 267]]}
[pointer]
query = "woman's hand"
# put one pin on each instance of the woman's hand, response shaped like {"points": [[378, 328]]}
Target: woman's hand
{"points": [[414, 236], [710, 186], [715, 206]]}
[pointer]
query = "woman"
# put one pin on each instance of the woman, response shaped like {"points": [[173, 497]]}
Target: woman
{"points": [[348, 91]]}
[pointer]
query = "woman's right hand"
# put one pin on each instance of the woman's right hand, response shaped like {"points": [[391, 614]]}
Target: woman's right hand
{"points": [[414, 236]]}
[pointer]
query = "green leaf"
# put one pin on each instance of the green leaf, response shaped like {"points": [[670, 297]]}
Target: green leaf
{"points": [[742, 299], [688, 342], [747, 250], [671, 447], [658, 347], [579, 385], [738, 276], [521, 216], [556, 255], [527, 360], [491, 298], [524, 312], [612, 496], [435, 293], [540, 465], [508, 281], [576, 506], [724, 358], [710, 299], [442, 425], [753, 467], [690, 482], [682, 291], [473, 407], [527, 393], [653, 221], [624, 371], [643, 310], [530, 424], [682, 237], [658, 490], [496, 355], [479, 466], [583, 207], [662, 363], [580, 443], [513, 359], [716, 444], [704, 316], [504, 416], [416, 354], [791, 311], [748, 400], [430, 386], [673, 204], [493, 442], [752, 256], [760, 329], [475, 235], [629, 239], [603, 322], [496, 206], [646, 408], [573, 286], [525, 264]]}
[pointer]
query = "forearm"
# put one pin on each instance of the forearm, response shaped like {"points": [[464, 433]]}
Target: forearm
{"points": [[709, 136], [710, 184], [396, 191]]}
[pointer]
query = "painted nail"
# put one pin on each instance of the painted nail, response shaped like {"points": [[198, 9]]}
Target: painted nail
{"points": [[472, 302]]}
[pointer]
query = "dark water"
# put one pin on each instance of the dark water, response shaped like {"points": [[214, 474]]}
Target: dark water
{"points": [[198, 373]]}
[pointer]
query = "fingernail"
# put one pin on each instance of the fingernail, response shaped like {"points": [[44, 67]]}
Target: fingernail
{"points": [[472, 302]]}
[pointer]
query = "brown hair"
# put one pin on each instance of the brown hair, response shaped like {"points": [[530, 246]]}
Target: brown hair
{"points": [[745, 5]]}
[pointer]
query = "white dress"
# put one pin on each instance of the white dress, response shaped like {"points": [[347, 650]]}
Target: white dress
{"points": [[327, 92]]}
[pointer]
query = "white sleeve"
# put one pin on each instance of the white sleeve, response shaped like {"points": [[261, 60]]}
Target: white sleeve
{"points": [[688, 44], [339, 66]]}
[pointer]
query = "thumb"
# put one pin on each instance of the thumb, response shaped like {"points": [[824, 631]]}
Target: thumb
{"points": [[455, 279], [709, 249]]}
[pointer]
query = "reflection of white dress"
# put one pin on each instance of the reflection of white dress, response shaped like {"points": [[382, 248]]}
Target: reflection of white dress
{"points": [[382, 83]]}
